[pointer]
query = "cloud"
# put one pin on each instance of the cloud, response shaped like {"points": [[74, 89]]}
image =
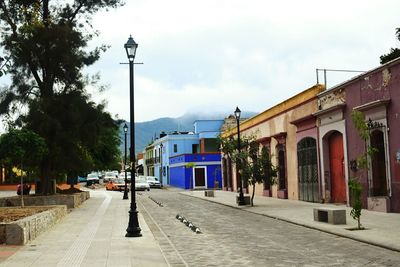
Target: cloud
{"points": [[213, 55]]}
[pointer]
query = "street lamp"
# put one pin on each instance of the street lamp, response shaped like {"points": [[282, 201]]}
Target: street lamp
{"points": [[241, 197], [133, 229], [126, 175], [161, 168]]}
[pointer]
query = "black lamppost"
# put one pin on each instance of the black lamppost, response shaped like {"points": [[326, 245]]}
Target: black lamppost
{"points": [[161, 169], [133, 229], [126, 175], [241, 197]]}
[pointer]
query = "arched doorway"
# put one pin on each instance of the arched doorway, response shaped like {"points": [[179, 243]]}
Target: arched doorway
{"points": [[308, 170], [378, 164], [336, 164], [281, 167]]}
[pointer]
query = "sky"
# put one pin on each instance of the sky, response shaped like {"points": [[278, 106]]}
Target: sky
{"points": [[213, 55]]}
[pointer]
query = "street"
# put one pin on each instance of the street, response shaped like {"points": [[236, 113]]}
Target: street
{"points": [[232, 237]]}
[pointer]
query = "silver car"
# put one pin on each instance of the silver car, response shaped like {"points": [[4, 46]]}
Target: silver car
{"points": [[141, 183], [153, 182]]}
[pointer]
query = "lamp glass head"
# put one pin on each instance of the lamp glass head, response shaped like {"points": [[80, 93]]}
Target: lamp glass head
{"points": [[237, 113], [130, 48]]}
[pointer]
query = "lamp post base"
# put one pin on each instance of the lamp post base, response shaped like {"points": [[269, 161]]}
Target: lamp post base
{"points": [[133, 229], [241, 201], [125, 195]]}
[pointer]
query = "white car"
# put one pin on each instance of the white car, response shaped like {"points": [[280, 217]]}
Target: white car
{"points": [[92, 178], [153, 182], [141, 183], [122, 176], [108, 176]]}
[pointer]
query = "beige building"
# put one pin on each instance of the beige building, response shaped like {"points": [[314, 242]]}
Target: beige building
{"points": [[284, 129]]}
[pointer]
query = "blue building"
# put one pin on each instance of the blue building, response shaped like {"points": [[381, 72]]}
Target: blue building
{"points": [[196, 171], [189, 159]]}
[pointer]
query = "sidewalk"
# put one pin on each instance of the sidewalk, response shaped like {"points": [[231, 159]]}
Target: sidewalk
{"points": [[91, 235], [382, 228]]}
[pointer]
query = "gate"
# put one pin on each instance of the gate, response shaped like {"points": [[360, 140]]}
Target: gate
{"points": [[307, 170]]}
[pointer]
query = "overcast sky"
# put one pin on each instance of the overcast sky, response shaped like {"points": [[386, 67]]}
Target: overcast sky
{"points": [[214, 55]]}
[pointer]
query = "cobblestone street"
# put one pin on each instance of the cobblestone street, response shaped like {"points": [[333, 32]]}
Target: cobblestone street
{"points": [[232, 237]]}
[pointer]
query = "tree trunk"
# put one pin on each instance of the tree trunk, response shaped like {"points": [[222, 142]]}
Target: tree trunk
{"points": [[252, 195], [45, 177]]}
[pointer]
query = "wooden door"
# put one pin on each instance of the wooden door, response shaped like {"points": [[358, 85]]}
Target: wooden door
{"points": [[200, 177], [378, 164], [336, 156]]}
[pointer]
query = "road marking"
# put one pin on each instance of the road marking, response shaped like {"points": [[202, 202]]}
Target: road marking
{"points": [[77, 251]]}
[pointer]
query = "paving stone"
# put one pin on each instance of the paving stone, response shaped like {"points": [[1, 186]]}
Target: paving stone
{"points": [[233, 237]]}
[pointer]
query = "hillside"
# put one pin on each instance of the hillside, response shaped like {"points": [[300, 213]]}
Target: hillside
{"points": [[146, 131]]}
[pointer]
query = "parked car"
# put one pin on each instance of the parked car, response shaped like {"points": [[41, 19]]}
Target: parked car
{"points": [[141, 183], [108, 176], [82, 179], [116, 184], [153, 182], [122, 176], [26, 189], [92, 178]]}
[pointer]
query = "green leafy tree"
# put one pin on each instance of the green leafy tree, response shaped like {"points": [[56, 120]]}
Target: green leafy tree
{"points": [[394, 52], [362, 166], [81, 137], [254, 164], [251, 169], [22, 148], [268, 170], [46, 43], [257, 167]]}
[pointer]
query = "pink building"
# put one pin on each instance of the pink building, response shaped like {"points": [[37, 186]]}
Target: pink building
{"points": [[376, 94]]}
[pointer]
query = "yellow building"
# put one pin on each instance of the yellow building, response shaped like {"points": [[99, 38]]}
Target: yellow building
{"points": [[289, 131]]}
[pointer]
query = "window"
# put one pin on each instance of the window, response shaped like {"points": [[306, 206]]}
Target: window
{"points": [[175, 148], [195, 148]]}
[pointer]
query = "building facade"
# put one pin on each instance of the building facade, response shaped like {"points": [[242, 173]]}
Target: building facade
{"points": [[283, 129], [316, 147], [195, 153], [376, 95]]}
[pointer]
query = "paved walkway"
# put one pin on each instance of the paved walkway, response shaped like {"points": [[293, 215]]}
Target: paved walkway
{"points": [[382, 229], [91, 235]]}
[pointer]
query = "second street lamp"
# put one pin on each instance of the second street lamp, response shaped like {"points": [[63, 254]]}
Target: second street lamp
{"points": [[161, 164], [126, 178], [133, 229], [241, 197]]}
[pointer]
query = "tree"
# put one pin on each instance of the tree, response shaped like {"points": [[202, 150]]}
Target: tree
{"points": [[394, 52], [268, 170], [229, 146], [22, 148], [257, 167], [81, 137], [254, 164], [251, 169], [45, 41], [361, 166]]}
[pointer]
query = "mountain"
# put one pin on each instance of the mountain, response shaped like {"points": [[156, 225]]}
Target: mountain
{"points": [[146, 132]]}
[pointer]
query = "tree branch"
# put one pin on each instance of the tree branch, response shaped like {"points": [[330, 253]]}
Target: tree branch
{"points": [[75, 13], [8, 18]]}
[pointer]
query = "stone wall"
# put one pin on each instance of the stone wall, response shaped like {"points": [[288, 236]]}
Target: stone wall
{"points": [[71, 201], [26, 229]]}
